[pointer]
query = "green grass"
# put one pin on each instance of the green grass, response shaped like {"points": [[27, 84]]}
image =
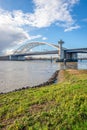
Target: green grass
{"points": [[61, 106]]}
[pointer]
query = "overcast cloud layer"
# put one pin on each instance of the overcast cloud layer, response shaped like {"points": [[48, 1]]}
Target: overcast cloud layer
{"points": [[46, 12]]}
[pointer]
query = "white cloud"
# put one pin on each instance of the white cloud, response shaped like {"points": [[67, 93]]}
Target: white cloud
{"points": [[11, 30], [71, 28], [44, 38], [35, 37], [11, 36], [73, 1], [48, 12], [8, 51]]}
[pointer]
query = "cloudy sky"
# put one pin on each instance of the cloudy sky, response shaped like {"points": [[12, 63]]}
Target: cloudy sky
{"points": [[43, 20]]}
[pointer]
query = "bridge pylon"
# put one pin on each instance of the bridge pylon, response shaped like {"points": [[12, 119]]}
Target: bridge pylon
{"points": [[61, 51]]}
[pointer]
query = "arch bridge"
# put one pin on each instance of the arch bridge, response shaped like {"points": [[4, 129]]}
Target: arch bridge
{"points": [[25, 50], [62, 53]]}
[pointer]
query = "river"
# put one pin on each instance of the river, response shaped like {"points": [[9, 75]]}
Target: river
{"points": [[19, 74]]}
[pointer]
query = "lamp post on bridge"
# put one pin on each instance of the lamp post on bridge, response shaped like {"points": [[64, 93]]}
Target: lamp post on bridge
{"points": [[61, 53]]}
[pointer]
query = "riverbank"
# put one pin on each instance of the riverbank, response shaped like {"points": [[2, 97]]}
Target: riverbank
{"points": [[61, 106]]}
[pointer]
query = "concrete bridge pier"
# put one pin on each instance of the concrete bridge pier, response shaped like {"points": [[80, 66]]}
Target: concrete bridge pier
{"points": [[21, 58], [70, 56], [61, 51]]}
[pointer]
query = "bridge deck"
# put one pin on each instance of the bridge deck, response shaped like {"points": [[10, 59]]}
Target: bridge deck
{"points": [[77, 50], [38, 53]]}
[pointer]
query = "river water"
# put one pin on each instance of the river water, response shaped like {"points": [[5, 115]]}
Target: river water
{"points": [[19, 74]]}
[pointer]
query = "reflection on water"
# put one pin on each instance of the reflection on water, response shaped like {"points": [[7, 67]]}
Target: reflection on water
{"points": [[82, 64], [18, 74]]}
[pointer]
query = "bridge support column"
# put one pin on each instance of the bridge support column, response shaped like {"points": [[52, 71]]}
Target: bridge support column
{"points": [[61, 51], [21, 58], [71, 56], [9, 58], [74, 55]]}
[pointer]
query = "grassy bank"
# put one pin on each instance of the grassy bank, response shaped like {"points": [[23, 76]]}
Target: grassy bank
{"points": [[61, 106]]}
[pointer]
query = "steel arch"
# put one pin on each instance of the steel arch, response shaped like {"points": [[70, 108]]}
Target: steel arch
{"points": [[27, 47]]}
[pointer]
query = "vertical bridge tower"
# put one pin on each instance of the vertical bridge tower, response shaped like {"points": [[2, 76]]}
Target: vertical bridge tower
{"points": [[61, 51]]}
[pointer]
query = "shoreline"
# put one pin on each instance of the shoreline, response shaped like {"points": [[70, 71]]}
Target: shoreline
{"points": [[50, 81]]}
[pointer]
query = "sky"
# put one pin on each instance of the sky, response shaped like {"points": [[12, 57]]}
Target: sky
{"points": [[43, 21]]}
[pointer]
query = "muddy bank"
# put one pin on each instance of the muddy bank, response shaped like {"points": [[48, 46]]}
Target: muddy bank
{"points": [[52, 80], [71, 65]]}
